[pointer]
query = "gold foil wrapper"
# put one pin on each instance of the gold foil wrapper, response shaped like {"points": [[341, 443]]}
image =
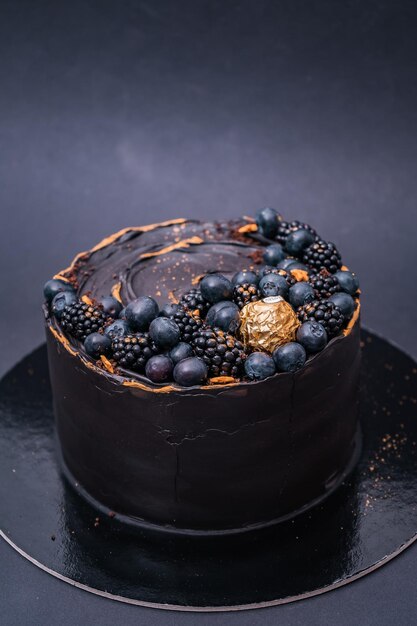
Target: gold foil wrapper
{"points": [[268, 323]]}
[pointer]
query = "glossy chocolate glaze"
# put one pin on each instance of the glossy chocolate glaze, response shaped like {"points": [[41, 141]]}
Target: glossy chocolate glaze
{"points": [[205, 458], [163, 261]]}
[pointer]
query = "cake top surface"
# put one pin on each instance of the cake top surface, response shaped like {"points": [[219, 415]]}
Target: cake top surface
{"points": [[188, 303]]}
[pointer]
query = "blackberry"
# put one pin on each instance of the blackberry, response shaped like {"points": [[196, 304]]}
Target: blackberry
{"points": [[223, 354], [188, 323], [286, 274], [324, 284], [133, 351], [193, 300], [244, 293], [285, 228], [322, 255], [325, 312], [81, 319]]}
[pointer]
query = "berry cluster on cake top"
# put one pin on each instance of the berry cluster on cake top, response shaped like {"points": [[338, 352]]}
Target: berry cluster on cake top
{"points": [[266, 319]]}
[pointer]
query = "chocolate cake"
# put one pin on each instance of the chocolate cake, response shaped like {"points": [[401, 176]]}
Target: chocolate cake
{"points": [[205, 375]]}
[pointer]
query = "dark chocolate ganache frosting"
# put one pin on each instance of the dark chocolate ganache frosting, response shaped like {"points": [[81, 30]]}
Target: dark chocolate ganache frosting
{"points": [[162, 260]]}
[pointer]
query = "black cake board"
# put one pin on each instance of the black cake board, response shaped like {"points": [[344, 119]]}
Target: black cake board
{"points": [[369, 520]]}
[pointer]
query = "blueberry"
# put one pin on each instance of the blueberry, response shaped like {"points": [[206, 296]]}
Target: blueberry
{"points": [[347, 281], [141, 312], [164, 333], [296, 265], [273, 285], [312, 336], [224, 315], [118, 328], [345, 302], [60, 301], [297, 241], [290, 357], [259, 365], [245, 276], [169, 310], [111, 306], [180, 352], [300, 294], [274, 254], [216, 287], [191, 371], [54, 286], [159, 368], [283, 265], [96, 344], [267, 221]]}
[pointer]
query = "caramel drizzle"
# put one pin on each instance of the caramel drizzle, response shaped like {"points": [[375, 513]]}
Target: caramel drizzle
{"points": [[353, 319], [184, 243], [59, 276], [109, 367], [172, 297], [248, 228], [63, 341], [136, 384], [196, 280], [87, 300], [115, 292], [222, 380], [111, 239]]}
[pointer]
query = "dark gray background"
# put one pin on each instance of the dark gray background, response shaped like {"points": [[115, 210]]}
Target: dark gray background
{"points": [[120, 113]]}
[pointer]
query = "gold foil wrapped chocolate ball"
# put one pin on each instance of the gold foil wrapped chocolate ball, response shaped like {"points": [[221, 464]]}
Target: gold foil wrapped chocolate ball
{"points": [[268, 323]]}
